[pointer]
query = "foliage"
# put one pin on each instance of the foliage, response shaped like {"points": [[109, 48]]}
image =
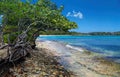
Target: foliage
{"points": [[44, 16], [59, 33]]}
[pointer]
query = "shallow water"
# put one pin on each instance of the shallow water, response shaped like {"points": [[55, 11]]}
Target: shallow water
{"points": [[105, 45]]}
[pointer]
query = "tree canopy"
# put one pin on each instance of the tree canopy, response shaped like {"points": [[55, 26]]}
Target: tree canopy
{"points": [[40, 16], [22, 23]]}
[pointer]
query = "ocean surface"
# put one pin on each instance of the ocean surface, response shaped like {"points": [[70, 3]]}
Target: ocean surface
{"points": [[109, 46]]}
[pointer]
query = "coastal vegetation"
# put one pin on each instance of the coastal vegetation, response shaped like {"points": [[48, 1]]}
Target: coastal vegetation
{"points": [[22, 23], [79, 33], [34, 17], [21, 55], [25, 20]]}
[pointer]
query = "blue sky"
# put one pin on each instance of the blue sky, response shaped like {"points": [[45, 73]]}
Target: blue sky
{"points": [[92, 15]]}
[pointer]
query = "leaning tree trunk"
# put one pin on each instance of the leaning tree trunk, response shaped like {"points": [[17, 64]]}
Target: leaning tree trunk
{"points": [[18, 50], [1, 37], [33, 41]]}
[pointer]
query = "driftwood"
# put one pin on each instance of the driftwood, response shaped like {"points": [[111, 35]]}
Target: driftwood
{"points": [[21, 45], [3, 46], [19, 50]]}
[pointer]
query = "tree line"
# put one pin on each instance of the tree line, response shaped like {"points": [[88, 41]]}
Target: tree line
{"points": [[102, 33]]}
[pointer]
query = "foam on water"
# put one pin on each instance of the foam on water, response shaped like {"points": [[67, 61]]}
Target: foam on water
{"points": [[75, 48], [109, 46]]}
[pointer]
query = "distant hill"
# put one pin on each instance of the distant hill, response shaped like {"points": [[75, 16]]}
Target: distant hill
{"points": [[78, 33], [103, 33]]}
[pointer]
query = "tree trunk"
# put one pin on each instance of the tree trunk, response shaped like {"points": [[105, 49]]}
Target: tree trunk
{"points": [[2, 39]]}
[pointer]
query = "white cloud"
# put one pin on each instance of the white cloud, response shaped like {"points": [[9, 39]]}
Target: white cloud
{"points": [[75, 14], [68, 14]]}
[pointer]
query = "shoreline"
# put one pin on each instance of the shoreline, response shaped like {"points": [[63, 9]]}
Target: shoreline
{"points": [[40, 63], [83, 63]]}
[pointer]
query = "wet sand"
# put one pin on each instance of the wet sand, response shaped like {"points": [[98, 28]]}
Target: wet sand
{"points": [[80, 61]]}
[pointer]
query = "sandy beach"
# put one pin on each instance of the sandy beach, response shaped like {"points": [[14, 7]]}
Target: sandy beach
{"points": [[56, 59], [80, 61], [41, 63]]}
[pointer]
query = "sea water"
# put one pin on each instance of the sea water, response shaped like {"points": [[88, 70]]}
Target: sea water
{"points": [[109, 46]]}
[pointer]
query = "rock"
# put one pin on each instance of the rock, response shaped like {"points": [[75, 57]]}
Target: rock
{"points": [[55, 73], [3, 53], [60, 75], [44, 73], [37, 72]]}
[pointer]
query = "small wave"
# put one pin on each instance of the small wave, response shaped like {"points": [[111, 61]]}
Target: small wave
{"points": [[75, 48]]}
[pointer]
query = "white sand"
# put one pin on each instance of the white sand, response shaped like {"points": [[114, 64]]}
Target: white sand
{"points": [[76, 60]]}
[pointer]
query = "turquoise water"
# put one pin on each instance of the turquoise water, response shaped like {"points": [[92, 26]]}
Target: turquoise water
{"points": [[107, 45]]}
